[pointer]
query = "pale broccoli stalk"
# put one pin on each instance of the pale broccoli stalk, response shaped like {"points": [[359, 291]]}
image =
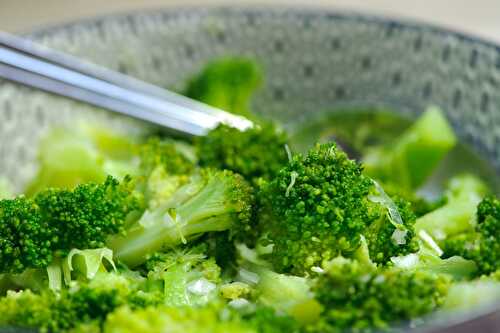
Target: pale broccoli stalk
{"points": [[427, 260], [184, 276], [458, 215], [471, 295], [6, 188], [285, 293], [210, 201], [411, 159]]}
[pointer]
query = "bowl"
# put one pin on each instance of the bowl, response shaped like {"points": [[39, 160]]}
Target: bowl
{"points": [[314, 61]]}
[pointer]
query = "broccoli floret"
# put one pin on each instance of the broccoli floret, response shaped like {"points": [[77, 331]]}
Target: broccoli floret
{"points": [[166, 154], [356, 298], [464, 192], [211, 201], [267, 320], [227, 84], [258, 152], [393, 233], [482, 245], [184, 276], [83, 303], [322, 204], [413, 156], [212, 318], [32, 231]]}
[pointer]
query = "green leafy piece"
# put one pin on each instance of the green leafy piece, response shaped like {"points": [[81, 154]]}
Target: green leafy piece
{"points": [[227, 84], [414, 155], [258, 152]]}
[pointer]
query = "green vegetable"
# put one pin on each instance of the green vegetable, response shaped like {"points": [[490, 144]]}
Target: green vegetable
{"points": [[355, 298], [227, 84], [211, 201], [322, 204], [464, 192], [256, 153], [413, 156], [482, 245]]}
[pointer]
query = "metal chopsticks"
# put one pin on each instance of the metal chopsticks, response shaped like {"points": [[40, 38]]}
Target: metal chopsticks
{"points": [[27, 63]]}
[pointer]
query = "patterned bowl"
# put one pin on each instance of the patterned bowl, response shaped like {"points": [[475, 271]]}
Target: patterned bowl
{"points": [[313, 61]]}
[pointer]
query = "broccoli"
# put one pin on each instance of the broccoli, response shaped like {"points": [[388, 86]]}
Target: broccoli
{"points": [[482, 245], [464, 192], [258, 152], [413, 156], [322, 204], [171, 156], [80, 304], [353, 297], [212, 200], [209, 319], [227, 84], [392, 234], [34, 231]]}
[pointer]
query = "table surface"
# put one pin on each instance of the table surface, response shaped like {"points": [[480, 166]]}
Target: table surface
{"points": [[479, 17]]}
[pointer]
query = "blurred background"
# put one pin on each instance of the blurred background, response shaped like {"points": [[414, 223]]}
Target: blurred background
{"points": [[479, 17]]}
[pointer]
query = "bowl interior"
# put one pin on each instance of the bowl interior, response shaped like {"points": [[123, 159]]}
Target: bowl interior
{"points": [[314, 63]]}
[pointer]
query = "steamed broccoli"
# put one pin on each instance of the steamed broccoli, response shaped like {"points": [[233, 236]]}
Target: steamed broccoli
{"points": [[413, 156], [82, 303], [33, 231], [482, 245], [355, 298], [256, 153], [321, 206], [212, 200], [227, 84]]}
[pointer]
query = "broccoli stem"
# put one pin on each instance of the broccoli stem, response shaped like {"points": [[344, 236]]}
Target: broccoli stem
{"points": [[415, 154], [458, 215], [213, 201]]}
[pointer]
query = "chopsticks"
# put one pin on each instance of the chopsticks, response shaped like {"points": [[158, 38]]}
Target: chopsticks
{"points": [[27, 63]]}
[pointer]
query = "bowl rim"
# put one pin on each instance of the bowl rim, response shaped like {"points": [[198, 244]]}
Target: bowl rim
{"points": [[391, 21]]}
